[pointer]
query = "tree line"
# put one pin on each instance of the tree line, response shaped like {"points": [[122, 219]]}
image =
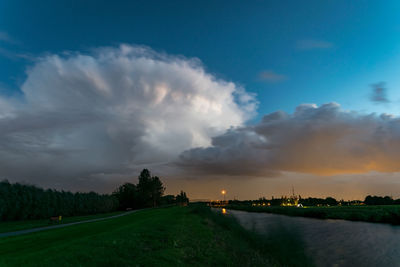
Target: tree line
{"points": [[147, 193], [377, 200], [329, 201], [23, 202]]}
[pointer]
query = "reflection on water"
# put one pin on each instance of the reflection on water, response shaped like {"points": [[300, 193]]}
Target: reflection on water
{"points": [[333, 242]]}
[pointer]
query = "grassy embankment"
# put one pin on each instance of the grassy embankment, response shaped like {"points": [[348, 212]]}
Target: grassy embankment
{"points": [[378, 214], [11, 226], [174, 236]]}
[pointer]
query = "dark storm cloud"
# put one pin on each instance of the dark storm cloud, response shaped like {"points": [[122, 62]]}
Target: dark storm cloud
{"points": [[323, 140]]}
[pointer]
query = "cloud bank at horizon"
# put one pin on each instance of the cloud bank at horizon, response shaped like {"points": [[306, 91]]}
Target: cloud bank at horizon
{"points": [[325, 140]]}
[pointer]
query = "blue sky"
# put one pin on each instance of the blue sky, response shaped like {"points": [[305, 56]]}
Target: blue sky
{"points": [[317, 52]]}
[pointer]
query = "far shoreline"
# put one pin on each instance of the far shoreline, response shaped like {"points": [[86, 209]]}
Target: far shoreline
{"points": [[387, 214]]}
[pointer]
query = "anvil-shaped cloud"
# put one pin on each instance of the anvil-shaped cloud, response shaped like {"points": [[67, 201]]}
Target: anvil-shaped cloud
{"points": [[110, 112]]}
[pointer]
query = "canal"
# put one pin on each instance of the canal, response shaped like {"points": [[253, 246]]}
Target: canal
{"points": [[331, 242]]}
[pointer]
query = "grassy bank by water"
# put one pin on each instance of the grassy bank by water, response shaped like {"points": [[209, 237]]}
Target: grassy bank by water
{"points": [[378, 214], [174, 236]]}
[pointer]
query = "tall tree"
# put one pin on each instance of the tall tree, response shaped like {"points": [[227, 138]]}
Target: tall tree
{"points": [[150, 189], [144, 187], [157, 190]]}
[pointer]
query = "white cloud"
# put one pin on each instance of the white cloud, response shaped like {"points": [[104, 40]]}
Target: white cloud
{"points": [[110, 112]]}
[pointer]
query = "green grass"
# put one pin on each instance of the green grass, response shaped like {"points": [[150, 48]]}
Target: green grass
{"points": [[166, 237], [378, 214], [173, 236], [11, 226]]}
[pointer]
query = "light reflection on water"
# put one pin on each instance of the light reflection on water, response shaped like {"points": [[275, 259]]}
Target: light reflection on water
{"points": [[333, 242]]}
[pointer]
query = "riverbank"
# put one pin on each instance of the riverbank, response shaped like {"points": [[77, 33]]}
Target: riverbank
{"points": [[376, 214]]}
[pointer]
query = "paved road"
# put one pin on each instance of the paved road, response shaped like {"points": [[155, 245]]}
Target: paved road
{"points": [[27, 231]]}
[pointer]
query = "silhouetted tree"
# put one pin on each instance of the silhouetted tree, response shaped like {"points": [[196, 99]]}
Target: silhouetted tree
{"points": [[168, 199], [145, 188], [150, 189], [330, 201], [376, 200], [182, 199], [157, 190], [127, 196]]}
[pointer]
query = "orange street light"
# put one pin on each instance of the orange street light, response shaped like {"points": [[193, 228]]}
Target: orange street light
{"points": [[223, 192]]}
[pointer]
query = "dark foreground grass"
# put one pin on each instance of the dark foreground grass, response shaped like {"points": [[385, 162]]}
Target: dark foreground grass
{"points": [[377, 214], [11, 226], [174, 236]]}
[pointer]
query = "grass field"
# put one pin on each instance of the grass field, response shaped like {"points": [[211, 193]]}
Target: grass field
{"points": [[29, 224], [174, 236], [379, 214]]}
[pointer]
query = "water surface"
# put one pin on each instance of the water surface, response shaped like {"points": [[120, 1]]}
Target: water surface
{"points": [[332, 242]]}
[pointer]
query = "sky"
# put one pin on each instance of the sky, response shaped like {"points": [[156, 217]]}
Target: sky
{"points": [[254, 97]]}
